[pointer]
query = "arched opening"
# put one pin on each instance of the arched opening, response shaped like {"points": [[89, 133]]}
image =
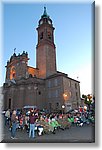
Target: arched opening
{"points": [[12, 73], [9, 104], [49, 35], [41, 36]]}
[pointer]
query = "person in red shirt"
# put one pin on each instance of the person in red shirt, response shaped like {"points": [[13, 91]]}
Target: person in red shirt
{"points": [[32, 120]]}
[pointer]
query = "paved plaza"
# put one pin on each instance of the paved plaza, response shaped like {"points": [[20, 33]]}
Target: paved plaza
{"points": [[75, 134]]}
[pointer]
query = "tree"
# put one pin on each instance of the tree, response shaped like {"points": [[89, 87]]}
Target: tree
{"points": [[84, 96], [87, 100]]}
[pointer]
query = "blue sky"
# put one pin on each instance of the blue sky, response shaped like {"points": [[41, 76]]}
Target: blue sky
{"points": [[73, 36]]}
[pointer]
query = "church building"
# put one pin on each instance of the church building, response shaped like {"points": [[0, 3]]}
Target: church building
{"points": [[43, 86]]}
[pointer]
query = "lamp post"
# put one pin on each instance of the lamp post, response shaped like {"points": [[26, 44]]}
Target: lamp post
{"points": [[63, 107], [65, 96]]}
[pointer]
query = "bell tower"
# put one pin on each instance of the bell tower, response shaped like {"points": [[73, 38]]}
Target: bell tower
{"points": [[45, 50]]}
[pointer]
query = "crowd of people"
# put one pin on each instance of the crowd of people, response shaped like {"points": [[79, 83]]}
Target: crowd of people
{"points": [[35, 122]]}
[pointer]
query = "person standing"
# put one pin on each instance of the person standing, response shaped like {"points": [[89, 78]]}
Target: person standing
{"points": [[7, 117], [32, 120], [14, 120]]}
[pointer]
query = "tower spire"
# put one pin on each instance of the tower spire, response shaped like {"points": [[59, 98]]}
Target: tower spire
{"points": [[45, 47], [45, 15]]}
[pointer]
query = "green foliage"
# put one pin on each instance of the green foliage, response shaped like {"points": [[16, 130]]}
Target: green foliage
{"points": [[84, 96], [87, 99]]}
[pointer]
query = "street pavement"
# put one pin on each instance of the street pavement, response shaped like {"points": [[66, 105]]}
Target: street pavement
{"points": [[76, 134]]}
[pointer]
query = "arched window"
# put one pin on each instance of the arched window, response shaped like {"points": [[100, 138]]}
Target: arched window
{"points": [[41, 36], [12, 73], [49, 35], [9, 105], [30, 76]]}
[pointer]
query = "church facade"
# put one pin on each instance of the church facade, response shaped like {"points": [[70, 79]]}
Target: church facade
{"points": [[43, 86]]}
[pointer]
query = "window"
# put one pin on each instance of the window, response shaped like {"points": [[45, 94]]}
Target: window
{"points": [[49, 22], [39, 92], [30, 76], [57, 105], [49, 35], [9, 103], [41, 22], [41, 36], [56, 93], [49, 84], [12, 73], [76, 85], [69, 83], [56, 82], [76, 95]]}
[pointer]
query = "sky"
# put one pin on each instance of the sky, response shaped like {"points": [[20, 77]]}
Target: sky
{"points": [[73, 36]]}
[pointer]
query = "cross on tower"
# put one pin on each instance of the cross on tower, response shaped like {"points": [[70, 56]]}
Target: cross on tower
{"points": [[14, 50]]}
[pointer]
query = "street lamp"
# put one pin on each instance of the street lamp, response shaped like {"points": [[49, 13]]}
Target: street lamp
{"points": [[63, 107], [65, 96]]}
